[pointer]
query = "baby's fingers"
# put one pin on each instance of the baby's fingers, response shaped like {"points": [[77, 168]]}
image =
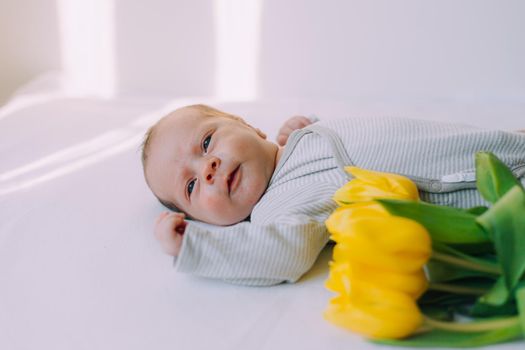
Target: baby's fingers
{"points": [[173, 219], [161, 216], [282, 138], [298, 122], [167, 215]]}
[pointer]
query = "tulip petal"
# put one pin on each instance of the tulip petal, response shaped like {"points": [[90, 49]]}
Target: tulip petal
{"points": [[368, 185], [339, 279], [375, 313], [390, 243], [343, 274], [337, 223]]}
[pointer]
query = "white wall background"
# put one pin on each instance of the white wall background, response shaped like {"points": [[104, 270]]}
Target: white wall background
{"points": [[406, 48], [29, 42], [246, 49]]}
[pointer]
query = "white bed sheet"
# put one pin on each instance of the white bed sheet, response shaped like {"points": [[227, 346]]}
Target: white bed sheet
{"points": [[79, 267]]}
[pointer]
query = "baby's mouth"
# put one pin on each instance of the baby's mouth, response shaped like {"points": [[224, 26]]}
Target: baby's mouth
{"points": [[231, 178]]}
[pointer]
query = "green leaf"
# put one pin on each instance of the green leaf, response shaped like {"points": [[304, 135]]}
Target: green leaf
{"points": [[497, 295], [481, 263], [496, 302], [438, 312], [444, 224], [505, 221], [474, 286], [438, 271], [520, 298], [487, 310], [477, 210], [444, 299], [450, 339], [485, 262], [476, 249], [493, 177]]}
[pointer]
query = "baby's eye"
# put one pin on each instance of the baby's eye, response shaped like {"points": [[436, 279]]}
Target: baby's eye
{"points": [[191, 184], [206, 143]]}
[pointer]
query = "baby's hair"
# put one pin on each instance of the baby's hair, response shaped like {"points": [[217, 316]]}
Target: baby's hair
{"points": [[148, 136], [145, 146]]}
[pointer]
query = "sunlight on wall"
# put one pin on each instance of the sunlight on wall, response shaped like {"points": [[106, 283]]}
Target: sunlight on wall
{"points": [[87, 41], [237, 27]]}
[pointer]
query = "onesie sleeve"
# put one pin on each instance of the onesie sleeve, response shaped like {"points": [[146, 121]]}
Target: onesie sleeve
{"points": [[253, 254]]}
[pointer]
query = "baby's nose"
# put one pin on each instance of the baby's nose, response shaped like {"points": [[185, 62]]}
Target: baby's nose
{"points": [[210, 168]]}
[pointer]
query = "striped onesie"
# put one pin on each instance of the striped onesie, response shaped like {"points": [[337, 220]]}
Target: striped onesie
{"points": [[286, 232]]}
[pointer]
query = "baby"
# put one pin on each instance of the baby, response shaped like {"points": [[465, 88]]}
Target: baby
{"points": [[257, 209]]}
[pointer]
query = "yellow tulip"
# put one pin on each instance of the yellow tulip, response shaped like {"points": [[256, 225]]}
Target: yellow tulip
{"points": [[375, 312], [377, 266], [343, 274], [369, 185], [340, 277], [359, 209], [337, 222], [389, 243]]}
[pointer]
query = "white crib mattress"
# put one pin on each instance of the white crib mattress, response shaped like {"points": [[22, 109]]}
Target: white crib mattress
{"points": [[79, 267]]}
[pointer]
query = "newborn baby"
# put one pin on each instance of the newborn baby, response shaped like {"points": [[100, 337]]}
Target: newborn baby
{"points": [[265, 205]]}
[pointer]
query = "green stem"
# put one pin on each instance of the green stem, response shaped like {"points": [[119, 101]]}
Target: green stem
{"points": [[477, 326], [452, 260], [444, 287]]}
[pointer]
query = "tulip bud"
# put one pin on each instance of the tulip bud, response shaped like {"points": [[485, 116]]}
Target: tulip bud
{"points": [[337, 222], [342, 274], [369, 185], [375, 312], [389, 243]]}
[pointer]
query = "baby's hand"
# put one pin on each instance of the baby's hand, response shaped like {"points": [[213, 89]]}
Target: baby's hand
{"points": [[169, 228], [294, 123]]}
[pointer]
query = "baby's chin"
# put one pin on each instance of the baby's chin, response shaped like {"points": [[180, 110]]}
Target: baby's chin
{"points": [[226, 219], [226, 212]]}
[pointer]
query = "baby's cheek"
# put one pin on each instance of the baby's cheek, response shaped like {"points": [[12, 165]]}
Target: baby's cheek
{"points": [[217, 204], [221, 211]]}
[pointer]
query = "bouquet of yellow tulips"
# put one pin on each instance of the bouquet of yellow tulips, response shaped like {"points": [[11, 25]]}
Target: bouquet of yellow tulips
{"points": [[411, 273]]}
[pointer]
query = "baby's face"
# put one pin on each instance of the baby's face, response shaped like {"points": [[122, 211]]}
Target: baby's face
{"points": [[213, 168]]}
